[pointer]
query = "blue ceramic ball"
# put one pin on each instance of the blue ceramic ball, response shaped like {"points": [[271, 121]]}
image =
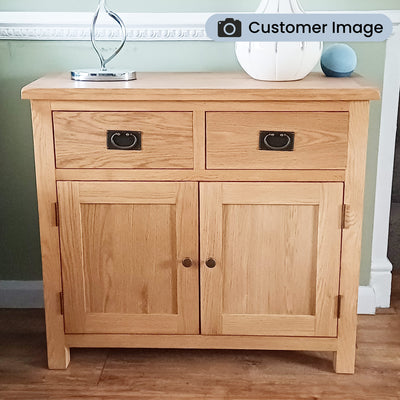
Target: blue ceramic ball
{"points": [[338, 60]]}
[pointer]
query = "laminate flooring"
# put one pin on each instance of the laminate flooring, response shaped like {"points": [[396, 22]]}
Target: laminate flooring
{"points": [[116, 374]]}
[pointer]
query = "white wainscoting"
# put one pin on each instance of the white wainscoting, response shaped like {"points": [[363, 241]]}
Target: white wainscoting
{"points": [[191, 26]]}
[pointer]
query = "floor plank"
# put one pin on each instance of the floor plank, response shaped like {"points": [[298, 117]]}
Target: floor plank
{"points": [[121, 374]]}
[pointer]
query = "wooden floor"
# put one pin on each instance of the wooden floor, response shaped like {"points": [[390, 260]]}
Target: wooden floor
{"points": [[198, 374]]}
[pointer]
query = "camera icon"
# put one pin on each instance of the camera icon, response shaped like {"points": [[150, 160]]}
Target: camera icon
{"points": [[230, 28]]}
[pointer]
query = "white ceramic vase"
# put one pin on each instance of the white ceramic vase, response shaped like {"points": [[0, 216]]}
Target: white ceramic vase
{"points": [[278, 61]]}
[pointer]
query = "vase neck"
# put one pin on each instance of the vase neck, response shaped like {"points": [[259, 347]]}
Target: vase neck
{"points": [[279, 7]]}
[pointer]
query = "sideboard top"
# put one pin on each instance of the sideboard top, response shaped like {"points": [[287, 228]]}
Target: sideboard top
{"points": [[202, 86]]}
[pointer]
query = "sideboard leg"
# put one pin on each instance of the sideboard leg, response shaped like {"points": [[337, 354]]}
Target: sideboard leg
{"points": [[58, 358], [58, 354], [57, 351], [344, 361]]}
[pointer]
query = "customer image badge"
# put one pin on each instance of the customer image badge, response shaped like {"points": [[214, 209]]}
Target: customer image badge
{"points": [[299, 27]]}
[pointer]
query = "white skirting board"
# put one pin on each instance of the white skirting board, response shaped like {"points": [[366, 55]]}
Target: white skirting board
{"points": [[29, 294], [366, 300], [21, 294]]}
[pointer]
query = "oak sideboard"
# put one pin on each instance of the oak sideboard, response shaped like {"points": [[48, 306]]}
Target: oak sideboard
{"points": [[201, 210]]}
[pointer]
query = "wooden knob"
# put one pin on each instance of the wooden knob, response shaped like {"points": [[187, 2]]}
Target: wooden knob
{"points": [[187, 262], [211, 263]]}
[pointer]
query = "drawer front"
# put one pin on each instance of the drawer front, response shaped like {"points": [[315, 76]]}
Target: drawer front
{"points": [[82, 140], [257, 140]]}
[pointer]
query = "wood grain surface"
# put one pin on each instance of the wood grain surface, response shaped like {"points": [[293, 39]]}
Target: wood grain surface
{"points": [[203, 342], [81, 139], [320, 140], [121, 247], [351, 251], [201, 175], [202, 86], [215, 105], [57, 350], [277, 249], [271, 269]]}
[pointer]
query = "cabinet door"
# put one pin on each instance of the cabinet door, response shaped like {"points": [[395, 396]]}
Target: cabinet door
{"points": [[122, 246], [277, 253]]}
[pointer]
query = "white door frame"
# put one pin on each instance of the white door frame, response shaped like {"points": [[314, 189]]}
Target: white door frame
{"points": [[381, 267]]}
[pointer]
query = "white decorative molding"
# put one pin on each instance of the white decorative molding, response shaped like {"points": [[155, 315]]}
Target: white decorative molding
{"points": [[76, 26], [21, 294], [63, 26]]}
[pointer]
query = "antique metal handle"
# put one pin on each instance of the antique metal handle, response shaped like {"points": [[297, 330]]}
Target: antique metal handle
{"points": [[124, 140], [126, 147], [283, 135], [277, 141], [211, 263], [187, 262]]}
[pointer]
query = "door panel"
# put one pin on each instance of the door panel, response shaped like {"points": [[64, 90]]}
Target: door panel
{"points": [[123, 286], [262, 241], [122, 247], [277, 248]]}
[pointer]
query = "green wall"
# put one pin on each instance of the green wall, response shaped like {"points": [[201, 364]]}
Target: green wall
{"points": [[23, 61]]}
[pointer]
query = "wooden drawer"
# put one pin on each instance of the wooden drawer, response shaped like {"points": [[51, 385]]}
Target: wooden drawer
{"points": [[81, 140], [320, 140]]}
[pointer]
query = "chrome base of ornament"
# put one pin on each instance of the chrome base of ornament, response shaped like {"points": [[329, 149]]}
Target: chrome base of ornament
{"points": [[103, 76]]}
